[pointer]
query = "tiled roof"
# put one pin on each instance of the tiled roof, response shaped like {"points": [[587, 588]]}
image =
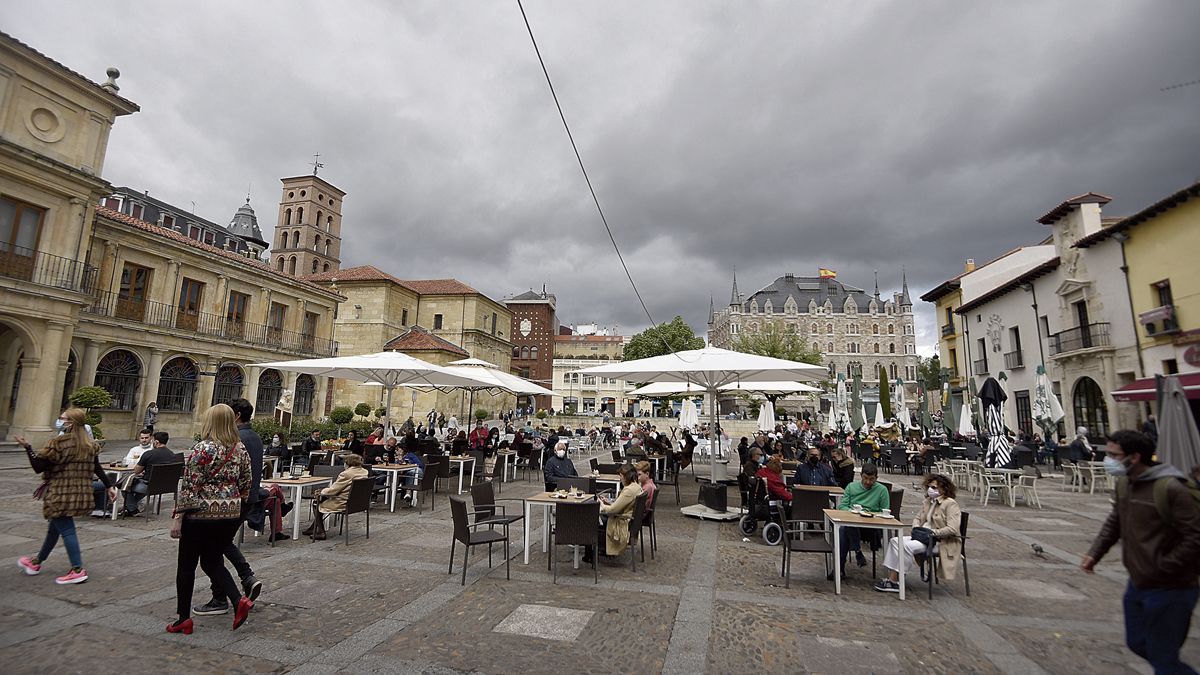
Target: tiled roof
{"points": [[1190, 192], [419, 286], [417, 339], [1055, 214], [177, 237], [1010, 285], [133, 107], [440, 287]]}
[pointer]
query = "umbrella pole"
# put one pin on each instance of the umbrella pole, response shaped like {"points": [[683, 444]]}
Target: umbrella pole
{"points": [[388, 430], [714, 442]]}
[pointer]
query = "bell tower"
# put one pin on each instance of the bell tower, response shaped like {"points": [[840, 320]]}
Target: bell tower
{"points": [[308, 233]]}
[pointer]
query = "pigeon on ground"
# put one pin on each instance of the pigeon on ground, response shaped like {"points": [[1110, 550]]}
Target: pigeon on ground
{"points": [[1038, 550]]}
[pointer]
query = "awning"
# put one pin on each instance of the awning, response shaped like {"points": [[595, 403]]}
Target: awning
{"points": [[1144, 390]]}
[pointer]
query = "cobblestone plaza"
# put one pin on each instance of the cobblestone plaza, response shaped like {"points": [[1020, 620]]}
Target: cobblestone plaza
{"points": [[707, 602]]}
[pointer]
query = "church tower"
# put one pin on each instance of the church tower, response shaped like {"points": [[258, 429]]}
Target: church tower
{"points": [[308, 234]]}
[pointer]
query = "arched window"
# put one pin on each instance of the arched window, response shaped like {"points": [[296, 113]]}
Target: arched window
{"points": [[320, 218], [306, 387], [328, 223], [1090, 408], [891, 329], [516, 352], [285, 239], [892, 348], [287, 217], [327, 242], [177, 385], [296, 239], [118, 373], [317, 243], [279, 264], [815, 328], [830, 348], [292, 265], [229, 384], [314, 266], [524, 352], [270, 386], [829, 329], [894, 371], [533, 352], [300, 216], [326, 267], [876, 348], [874, 329]]}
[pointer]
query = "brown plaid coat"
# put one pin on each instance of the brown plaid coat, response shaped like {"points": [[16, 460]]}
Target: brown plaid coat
{"points": [[70, 490]]}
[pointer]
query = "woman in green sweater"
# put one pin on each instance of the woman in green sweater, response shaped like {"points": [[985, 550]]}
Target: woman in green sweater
{"points": [[872, 496]]}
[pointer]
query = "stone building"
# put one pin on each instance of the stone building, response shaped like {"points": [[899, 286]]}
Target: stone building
{"points": [[586, 393], [856, 332], [380, 308], [93, 294], [308, 232], [535, 326]]}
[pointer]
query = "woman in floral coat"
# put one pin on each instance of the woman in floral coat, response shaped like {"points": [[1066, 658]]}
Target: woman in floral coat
{"points": [[67, 463], [216, 480]]}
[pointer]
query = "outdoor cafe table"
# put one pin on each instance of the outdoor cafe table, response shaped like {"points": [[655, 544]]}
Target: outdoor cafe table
{"points": [[393, 471], [660, 462], [297, 485], [838, 519], [508, 458], [120, 470], [547, 501], [462, 463]]}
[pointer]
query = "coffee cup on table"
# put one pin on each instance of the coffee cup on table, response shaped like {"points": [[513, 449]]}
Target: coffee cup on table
{"points": [[857, 508]]}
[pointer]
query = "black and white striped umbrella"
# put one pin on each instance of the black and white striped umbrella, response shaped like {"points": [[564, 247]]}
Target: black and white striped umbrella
{"points": [[992, 398]]}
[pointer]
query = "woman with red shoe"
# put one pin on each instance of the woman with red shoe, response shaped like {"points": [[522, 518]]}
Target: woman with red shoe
{"points": [[216, 480]]}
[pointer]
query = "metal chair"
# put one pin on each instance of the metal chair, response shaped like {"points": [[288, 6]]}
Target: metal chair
{"points": [[359, 501], [997, 482], [485, 505], [163, 479], [443, 471], [808, 509], [428, 483], [575, 525], [933, 558], [465, 534], [648, 522]]}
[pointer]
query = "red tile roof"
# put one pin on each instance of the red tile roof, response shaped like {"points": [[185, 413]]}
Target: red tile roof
{"points": [[440, 287], [1057, 213], [419, 286], [207, 248], [417, 339]]}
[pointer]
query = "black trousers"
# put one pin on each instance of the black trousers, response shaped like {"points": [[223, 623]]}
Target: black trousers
{"points": [[204, 542]]}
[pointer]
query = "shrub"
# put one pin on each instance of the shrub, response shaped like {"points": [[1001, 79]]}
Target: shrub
{"points": [[88, 398], [362, 410], [381, 412], [482, 414], [266, 427], [541, 414], [342, 415]]}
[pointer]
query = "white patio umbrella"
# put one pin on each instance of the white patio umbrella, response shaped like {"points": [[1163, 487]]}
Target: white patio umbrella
{"points": [[902, 416], [710, 368], [965, 428], [496, 379], [389, 369], [765, 388], [1047, 411], [880, 419], [766, 416], [840, 414]]}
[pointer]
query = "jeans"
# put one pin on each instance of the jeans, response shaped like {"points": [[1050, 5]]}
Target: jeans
{"points": [[64, 526], [204, 542], [132, 497], [1156, 624], [98, 492]]}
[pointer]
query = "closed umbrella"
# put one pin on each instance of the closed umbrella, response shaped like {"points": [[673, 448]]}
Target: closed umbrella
{"points": [[949, 419], [992, 398], [858, 417], [1178, 438], [841, 408], [902, 415], [1047, 411], [965, 428], [689, 417], [926, 417], [880, 420], [766, 416]]}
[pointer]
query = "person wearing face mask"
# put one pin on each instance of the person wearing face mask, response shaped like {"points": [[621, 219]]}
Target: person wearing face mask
{"points": [[1156, 517], [939, 513], [278, 447], [813, 471], [558, 466], [754, 462]]}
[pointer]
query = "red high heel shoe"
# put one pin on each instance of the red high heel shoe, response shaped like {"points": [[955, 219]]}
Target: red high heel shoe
{"points": [[243, 610], [184, 627]]}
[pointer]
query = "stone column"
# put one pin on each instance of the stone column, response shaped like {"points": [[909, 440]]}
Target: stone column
{"points": [[208, 383], [217, 303], [148, 391], [164, 289], [91, 360], [61, 376], [252, 375], [319, 396], [35, 401], [108, 280]]}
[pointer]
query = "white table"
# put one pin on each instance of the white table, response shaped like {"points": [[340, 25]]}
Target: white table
{"points": [[394, 471], [838, 519], [547, 502], [297, 485], [509, 458], [462, 463], [121, 470]]}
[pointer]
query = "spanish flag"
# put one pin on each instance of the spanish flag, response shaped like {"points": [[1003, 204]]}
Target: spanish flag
{"points": [[826, 274]]}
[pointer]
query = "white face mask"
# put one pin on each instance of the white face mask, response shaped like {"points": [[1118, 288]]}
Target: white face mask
{"points": [[58, 424], [932, 492], [560, 453]]}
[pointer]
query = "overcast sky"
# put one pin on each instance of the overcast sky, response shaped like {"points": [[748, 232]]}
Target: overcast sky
{"points": [[770, 137]]}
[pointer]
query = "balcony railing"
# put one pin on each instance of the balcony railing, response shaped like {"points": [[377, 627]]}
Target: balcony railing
{"points": [[981, 367], [1081, 337], [215, 326], [44, 269], [947, 330], [1014, 360]]}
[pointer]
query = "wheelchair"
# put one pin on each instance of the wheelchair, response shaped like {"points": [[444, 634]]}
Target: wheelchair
{"points": [[758, 506]]}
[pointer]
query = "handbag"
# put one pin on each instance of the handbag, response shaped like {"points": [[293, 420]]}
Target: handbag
{"points": [[40, 492], [923, 535]]}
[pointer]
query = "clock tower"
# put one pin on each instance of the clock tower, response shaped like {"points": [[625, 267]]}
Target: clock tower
{"points": [[534, 326]]}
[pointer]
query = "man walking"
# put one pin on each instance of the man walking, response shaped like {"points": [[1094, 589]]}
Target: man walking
{"points": [[1157, 520], [254, 447]]}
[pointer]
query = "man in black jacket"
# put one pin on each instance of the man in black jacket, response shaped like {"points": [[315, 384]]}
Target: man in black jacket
{"points": [[254, 447]]}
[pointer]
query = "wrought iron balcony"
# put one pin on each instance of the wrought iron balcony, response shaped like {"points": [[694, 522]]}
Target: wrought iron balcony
{"points": [[947, 330], [1014, 360], [1080, 337], [44, 269], [981, 367], [215, 326]]}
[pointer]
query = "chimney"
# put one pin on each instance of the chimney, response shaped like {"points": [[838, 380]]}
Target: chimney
{"points": [[970, 266]]}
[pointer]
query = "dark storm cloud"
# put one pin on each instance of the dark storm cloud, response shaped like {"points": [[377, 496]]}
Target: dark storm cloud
{"points": [[769, 137]]}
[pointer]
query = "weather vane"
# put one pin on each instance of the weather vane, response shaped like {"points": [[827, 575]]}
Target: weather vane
{"points": [[317, 163]]}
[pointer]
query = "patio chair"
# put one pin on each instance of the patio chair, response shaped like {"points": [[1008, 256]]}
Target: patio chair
{"points": [[575, 525], [442, 473], [874, 538], [1027, 486], [898, 459], [428, 483], [616, 455], [933, 559], [648, 522], [484, 501], [635, 530], [163, 479], [465, 534], [999, 483], [359, 501], [806, 532], [669, 477], [325, 471], [594, 464]]}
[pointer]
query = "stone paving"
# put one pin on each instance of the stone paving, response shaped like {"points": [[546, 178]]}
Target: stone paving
{"points": [[708, 601]]}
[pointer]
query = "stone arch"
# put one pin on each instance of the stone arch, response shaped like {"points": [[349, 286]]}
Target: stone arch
{"points": [[177, 384], [119, 371], [306, 388], [287, 217], [292, 265], [1089, 407], [279, 264], [230, 380], [270, 386]]}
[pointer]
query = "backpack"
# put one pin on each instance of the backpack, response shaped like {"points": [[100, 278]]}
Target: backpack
{"points": [[1160, 494]]}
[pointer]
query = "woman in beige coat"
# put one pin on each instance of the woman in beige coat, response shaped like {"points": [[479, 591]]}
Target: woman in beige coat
{"points": [[940, 513], [619, 513], [334, 497]]}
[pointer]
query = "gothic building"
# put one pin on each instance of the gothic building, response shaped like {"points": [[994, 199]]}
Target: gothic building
{"points": [[856, 332]]}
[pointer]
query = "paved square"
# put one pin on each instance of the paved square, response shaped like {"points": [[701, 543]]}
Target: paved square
{"points": [[543, 621], [1032, 588]]}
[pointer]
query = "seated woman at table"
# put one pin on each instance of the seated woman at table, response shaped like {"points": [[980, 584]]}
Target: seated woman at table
{"points": [[843, 467], [334, 497], [773, 474], [376, 436], [278, 447], [352, 443], [645, 479], [940, 513], [459, 445], [615, 514]]}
